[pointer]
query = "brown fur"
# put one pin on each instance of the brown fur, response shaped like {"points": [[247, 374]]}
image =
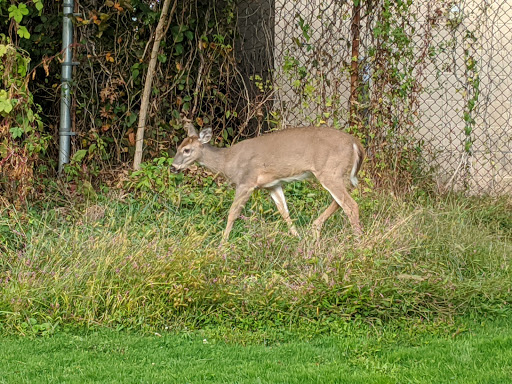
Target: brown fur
{"points": [[268, 161]]}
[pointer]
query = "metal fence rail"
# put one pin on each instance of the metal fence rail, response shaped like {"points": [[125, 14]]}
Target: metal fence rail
{"points": [[439, 75]]}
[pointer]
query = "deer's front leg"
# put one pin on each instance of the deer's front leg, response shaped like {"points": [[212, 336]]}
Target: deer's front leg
{"points": [[242, 194], [278, 196]]}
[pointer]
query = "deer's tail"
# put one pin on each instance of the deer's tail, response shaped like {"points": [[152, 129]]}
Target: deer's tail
{"points": [[358, 160]]}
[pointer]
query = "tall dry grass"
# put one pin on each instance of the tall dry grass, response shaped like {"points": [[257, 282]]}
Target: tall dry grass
{"points": [[146, 263]]}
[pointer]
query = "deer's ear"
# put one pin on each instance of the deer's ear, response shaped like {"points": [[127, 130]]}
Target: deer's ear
{"points": [[189, 127], [205, 136]]}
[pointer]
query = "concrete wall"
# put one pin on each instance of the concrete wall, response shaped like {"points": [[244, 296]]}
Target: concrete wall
{"points": [[444, 100]]}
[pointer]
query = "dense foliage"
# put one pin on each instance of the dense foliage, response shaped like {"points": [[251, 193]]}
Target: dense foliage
{"points": [[200, 74], [196, 76], [22, 134]]}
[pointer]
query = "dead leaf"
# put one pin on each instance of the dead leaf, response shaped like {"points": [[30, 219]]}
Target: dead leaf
{"points": [[46, 66], [131, 138], [95, 213], [405, 276], [103, 112]]}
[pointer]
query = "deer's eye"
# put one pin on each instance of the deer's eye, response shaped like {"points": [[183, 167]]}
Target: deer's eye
{"points": [[186, 151]]}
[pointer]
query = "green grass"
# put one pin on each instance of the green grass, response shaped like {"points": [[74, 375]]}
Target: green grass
{"points": [[82, 281], [153, 261], [481, 353]]}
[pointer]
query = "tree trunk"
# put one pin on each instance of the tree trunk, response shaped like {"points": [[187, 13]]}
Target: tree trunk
{"points": [[159, 34], [354, 65]]}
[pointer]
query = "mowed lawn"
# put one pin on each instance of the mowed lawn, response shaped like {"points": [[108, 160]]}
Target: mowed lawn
{"points": [[475, 352]]}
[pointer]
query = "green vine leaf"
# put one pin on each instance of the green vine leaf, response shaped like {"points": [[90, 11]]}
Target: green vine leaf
{"points": [[5, 103], [23, 32], [178, 49], [177, 33], [39, 6], [162, 58], [79, 155], [189, 35], [17, 12], [3, 49], [16, 132]]}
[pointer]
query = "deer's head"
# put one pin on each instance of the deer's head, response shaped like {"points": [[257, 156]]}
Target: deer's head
{"points": [[191, 149]]}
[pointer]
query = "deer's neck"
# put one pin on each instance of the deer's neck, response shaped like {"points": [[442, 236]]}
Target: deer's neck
{"points": [[214, 159]]}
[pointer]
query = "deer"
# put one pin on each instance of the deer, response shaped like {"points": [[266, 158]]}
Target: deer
{"points": [[272, 159]]}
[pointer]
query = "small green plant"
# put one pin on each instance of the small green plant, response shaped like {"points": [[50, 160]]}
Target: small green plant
{"points": [[31, 327], [155, 175]]}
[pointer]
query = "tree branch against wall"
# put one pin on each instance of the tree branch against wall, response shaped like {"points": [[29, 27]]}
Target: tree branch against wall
{"points": [[159, 34]]}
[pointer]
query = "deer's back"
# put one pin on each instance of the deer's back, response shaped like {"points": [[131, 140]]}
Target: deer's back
{"points": [[291, 154]]}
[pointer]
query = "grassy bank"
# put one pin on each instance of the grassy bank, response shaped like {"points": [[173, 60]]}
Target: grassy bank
{"points": [[152, 262]]}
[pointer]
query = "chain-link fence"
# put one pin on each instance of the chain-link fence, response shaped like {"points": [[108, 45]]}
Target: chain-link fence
{"points": [[426, 78]]}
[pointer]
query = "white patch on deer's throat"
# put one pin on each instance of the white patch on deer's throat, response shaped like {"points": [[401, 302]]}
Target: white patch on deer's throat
{"points": [[301, 176]]}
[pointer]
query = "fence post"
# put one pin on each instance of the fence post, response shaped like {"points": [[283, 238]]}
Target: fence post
{"points": [[66, 74]]}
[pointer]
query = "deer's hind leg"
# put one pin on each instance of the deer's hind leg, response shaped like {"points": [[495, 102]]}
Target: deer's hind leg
{"points": [[319, 222], [338, 190]]}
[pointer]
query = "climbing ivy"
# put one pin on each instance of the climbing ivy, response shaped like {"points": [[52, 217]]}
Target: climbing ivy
{"points": [[22, 136], [386, 72], [472, 93]]}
